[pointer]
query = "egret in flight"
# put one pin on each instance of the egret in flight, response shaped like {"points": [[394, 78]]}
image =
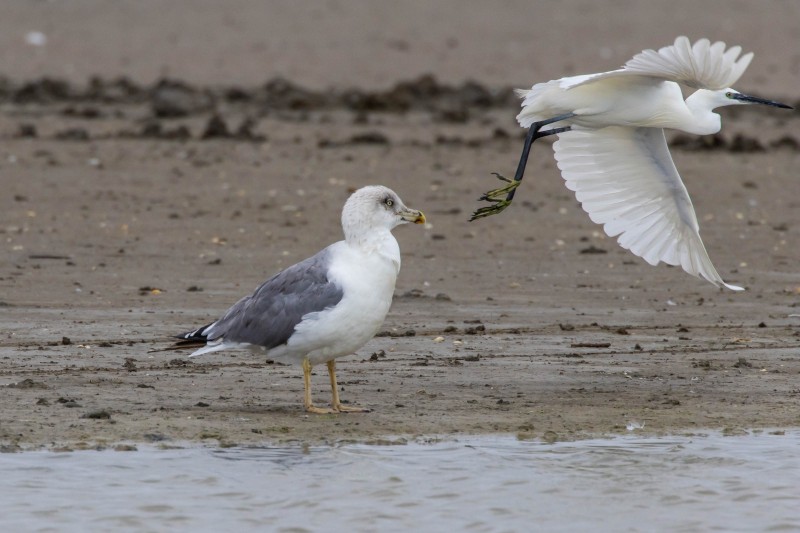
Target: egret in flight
{"points": [[612, 151]]}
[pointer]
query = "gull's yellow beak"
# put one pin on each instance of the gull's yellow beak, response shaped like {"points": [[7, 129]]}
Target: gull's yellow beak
{"points": [[412, 215]]}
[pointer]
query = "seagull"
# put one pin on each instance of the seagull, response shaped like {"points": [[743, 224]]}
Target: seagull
{"points": [[327, 306], [612, 151]]}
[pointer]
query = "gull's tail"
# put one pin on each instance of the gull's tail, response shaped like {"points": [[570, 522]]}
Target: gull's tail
{"points": [[197, 338], [197, 335]]}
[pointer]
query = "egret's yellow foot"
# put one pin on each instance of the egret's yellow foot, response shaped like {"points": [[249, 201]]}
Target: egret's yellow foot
{"points": [[496, 196], [490, 210]]}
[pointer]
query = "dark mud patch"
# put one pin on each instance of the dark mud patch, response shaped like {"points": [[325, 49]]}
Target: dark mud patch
{"points": [[166, 109], [170, 98], [737, 143]]}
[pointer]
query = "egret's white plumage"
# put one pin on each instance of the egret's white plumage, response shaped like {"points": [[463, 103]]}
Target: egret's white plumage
{"points": [[612, 151], [327, 306], [702, 65]]}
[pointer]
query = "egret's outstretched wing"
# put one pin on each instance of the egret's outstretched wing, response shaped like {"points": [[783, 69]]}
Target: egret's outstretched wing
{"points": [[702, 65], [626, 180]]}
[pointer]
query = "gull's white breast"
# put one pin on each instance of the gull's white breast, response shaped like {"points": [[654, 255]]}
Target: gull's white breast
{"points": [[367, 278]]}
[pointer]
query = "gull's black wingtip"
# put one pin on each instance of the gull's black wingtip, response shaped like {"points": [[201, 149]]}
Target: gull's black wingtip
{"points": [[197, 335]]}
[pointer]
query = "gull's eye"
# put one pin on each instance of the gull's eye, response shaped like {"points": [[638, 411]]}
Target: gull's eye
{"points": [[728, 94], [389, 202]]}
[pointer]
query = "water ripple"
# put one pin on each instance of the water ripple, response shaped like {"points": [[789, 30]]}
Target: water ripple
{"points": [[480, 484]]}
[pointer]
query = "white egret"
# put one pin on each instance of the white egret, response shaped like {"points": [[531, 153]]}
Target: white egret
{"points": [[612, 151], [327, 306]]}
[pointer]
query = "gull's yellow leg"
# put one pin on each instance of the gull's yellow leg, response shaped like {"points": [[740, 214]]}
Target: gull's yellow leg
{"points": [[310, 407], [337, 405]]}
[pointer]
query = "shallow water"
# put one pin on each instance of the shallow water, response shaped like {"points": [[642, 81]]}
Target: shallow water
{"points": [[698, 483]]}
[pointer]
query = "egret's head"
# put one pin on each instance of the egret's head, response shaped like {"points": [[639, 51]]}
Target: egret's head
{"points": [[734, 97], [374, 207]]}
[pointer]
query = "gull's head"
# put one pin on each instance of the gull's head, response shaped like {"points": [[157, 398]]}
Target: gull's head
{"points": [[734, 97], [376, 207]]}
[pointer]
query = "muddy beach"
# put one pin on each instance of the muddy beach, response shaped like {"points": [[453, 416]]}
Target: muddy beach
{"points": [[144, 194]]}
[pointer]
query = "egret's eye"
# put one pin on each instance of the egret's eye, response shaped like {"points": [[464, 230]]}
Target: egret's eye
{"points": [[389, 202], [728, 94]]}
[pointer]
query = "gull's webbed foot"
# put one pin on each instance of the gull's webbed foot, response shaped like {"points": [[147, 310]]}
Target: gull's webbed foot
{"points": [[320, 410], [307, 403], [336, 403], [496, 196], [340, 408]]}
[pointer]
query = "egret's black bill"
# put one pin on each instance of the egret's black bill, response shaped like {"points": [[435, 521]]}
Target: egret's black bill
{"points": [[757, 100]]}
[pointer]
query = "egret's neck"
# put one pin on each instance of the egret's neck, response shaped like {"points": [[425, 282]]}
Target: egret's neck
{"points": [[704, 121]]}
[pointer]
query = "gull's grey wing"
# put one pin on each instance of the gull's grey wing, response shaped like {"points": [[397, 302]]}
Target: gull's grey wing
{"points": [[269, 315]]}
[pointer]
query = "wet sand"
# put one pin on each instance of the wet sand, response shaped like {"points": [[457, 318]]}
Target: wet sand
{"points": [[136, 209]]}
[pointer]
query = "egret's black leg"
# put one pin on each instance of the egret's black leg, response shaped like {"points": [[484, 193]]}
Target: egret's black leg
{"points": [[495, 195], [526, 149]]}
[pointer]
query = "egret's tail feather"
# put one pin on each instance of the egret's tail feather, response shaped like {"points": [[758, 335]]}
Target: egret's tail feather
{"points": [[534, 103]]}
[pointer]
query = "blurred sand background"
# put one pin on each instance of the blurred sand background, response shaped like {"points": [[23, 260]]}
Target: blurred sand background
{"points": [[373, 44]]}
